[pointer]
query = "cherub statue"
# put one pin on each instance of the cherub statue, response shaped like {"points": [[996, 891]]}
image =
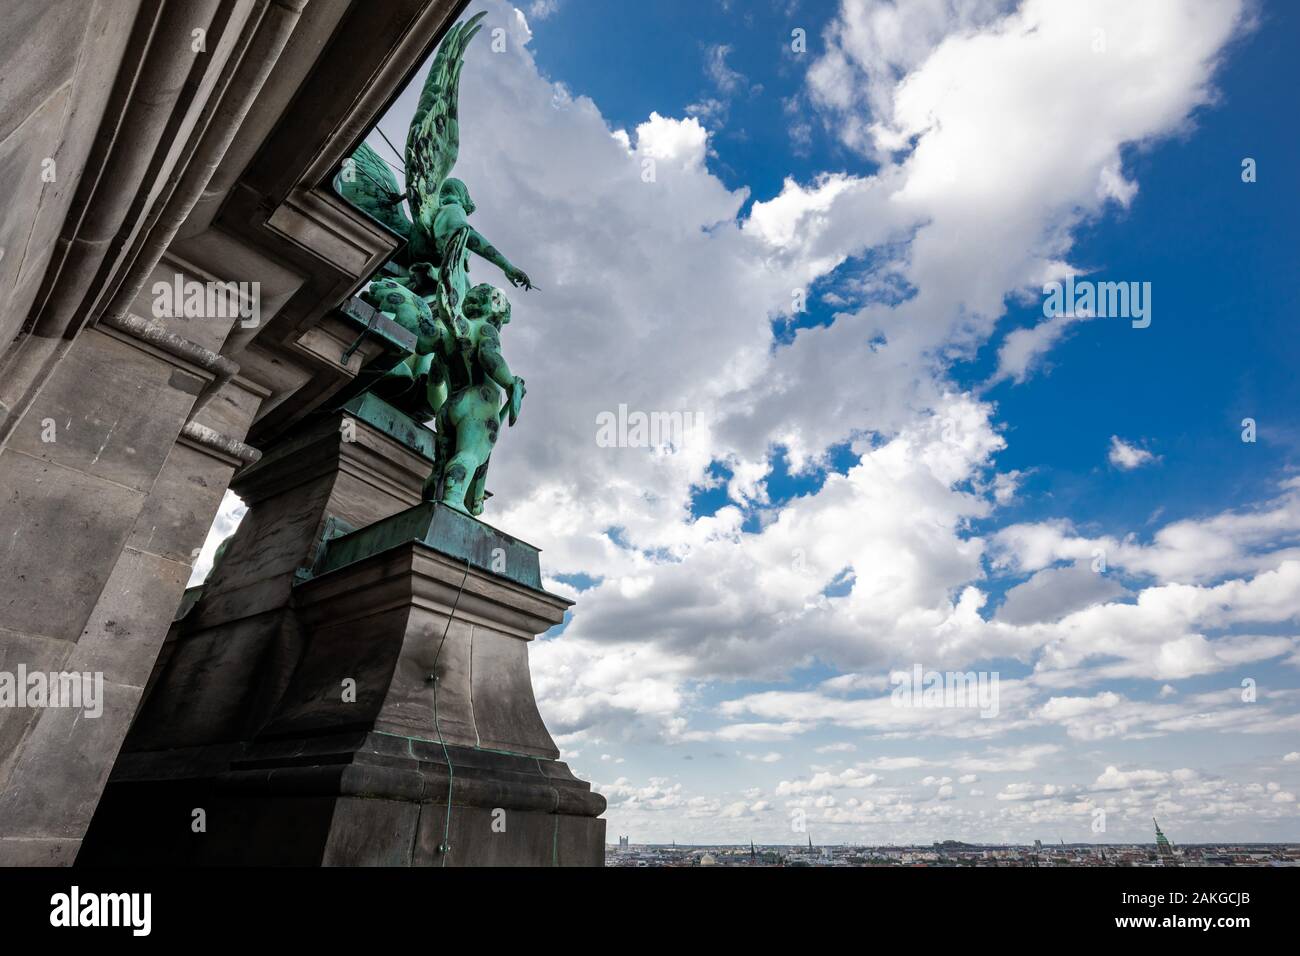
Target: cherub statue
{"points": [[470, 420], [418, 383]]}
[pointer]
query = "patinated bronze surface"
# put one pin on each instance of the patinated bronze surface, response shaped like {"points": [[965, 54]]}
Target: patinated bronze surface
{"points": [[456, 377]]}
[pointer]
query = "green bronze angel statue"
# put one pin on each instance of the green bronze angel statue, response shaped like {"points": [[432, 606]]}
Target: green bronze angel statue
{"points": [[457, 373]]}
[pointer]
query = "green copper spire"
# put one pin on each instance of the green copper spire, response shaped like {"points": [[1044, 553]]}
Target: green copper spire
{"points": [[1164, 849]]}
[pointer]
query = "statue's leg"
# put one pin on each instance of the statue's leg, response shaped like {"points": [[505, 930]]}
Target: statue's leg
{"points": [[485, 411], [443, 446], [473, 445], [437, 386], [477, 489]]}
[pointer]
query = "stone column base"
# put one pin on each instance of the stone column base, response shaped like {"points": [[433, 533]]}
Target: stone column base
{"points": [[367, 799], [410, 694]]}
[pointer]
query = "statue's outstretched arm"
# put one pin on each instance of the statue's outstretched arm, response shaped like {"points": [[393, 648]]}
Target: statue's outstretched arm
{"points": [[452, 220], [479, 244]]}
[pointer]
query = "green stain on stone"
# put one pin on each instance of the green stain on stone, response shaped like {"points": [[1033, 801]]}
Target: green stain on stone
{"points": [[443, 529]]}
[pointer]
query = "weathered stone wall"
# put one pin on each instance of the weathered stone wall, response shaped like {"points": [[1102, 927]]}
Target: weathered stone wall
{"points": [[103, 509], [58, 59], [120, 429]]}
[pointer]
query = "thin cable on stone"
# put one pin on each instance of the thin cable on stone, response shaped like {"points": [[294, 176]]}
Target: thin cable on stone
{"points": [[446, 754]]}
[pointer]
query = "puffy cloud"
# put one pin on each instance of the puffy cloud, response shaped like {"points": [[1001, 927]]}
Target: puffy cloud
{"points": [[543, 9], [797, 215], [658, 794], [819, 782], [1241, 541], [1127, 457], [849, 748], [1115, 779], [1006, 759], [684, 141], [1052, 593], [870, 45], [1023, 349], [1030, 791]]}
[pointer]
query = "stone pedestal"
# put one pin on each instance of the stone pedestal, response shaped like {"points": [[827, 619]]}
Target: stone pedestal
{"points": [[351, 697]]}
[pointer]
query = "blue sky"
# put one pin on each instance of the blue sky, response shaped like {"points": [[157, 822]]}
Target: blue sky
{"points": [[921, 467], [1219, 353]]}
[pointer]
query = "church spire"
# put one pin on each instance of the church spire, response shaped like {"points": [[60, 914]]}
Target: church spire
{"points": [[1164, 849]]}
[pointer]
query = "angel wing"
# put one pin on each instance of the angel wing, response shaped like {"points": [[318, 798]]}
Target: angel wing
{"points": [[371, 186], [434, 137]]}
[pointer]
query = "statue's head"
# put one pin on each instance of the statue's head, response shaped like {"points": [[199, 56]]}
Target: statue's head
{"points": [[453, 190], [486, 301]]}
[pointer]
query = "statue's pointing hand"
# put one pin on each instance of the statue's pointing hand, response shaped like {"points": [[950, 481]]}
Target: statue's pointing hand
{"points": [[519, 278]]}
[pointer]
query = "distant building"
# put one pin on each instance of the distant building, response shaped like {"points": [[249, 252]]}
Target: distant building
{"points": [[1164, 849]]}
